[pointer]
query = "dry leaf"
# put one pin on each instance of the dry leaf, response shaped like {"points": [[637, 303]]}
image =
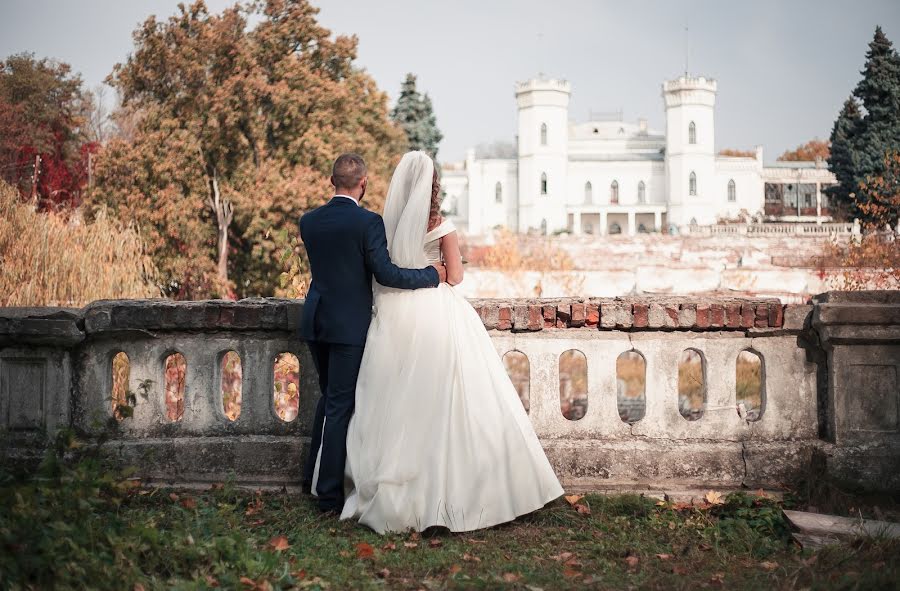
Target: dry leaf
{"points": [[511, 577], [477, 541], [344, 554], [455, 568], [632, 562], [299, 574], [248, 581], [770, 566], [138, 587], [717, 578], [211, 581], [470, 558], [572, 499], [279, 543], [679, 570], [435, 543], [173, 496], [714, 498], [569, 573], [364, 550], [216, 486], [414, 536], [562, 556], [705, 547], [410, 544], [189, 503], [389, 546], [664, 556], [383, 573], [583, 509], [661, 503]]}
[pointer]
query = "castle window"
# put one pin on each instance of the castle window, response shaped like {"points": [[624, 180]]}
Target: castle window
{"points": [[692, 133], [614, 192], [692, 184], [732, 191], [498, 192], [543, 183], [543, 134], [642, 192], [588, 193]]}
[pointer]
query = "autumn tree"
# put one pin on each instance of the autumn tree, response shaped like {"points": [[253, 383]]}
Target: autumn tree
{"points": [[812, 150], [415, 115], [42, 130], [235, 129], [737, 153]]}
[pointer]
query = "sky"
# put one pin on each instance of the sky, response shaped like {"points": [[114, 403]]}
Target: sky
{"points": [[783, 67]]}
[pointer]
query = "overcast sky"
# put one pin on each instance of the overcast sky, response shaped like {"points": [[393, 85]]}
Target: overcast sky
{"points": [[783, 67]]}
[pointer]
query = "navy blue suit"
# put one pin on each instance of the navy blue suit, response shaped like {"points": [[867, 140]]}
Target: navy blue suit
{"points": [[346, 246]]}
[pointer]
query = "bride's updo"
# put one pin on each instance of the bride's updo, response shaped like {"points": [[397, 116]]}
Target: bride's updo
{"points": [[434, 212]]}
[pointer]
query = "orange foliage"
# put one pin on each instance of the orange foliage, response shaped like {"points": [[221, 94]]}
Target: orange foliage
{"points": [[808, 152], [737, 153]]}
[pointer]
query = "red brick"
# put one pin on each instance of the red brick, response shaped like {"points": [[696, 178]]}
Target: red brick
{"points": [[577, 315], [748, 315], [641, 311], [592, 315], [733, 314], [535, 317], [716, 315], [762, 316], [549, 316], [563, 314], [504, 321], [702, 315], [776, 315]]}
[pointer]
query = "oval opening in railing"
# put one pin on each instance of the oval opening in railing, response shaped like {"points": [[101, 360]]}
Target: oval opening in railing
{"points": [[121, 370], [232, 385], [691, 384], [175, 370], [519, 370], [631, 379], [573, 399], [750, 394], [287, 386]]}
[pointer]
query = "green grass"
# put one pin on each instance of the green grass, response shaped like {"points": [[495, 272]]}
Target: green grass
{"points": [[78, 524]]}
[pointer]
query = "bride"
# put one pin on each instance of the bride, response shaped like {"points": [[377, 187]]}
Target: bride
{"points": [[439, 436]]}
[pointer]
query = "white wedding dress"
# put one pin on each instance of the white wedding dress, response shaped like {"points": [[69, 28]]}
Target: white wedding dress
{"points": [[439, 436]]}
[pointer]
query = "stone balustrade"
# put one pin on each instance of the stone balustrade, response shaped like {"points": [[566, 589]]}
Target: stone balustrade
{"points": [[827, 387]]}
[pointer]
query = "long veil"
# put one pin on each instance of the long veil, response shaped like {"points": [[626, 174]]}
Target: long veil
{"points": [[406, 210]]}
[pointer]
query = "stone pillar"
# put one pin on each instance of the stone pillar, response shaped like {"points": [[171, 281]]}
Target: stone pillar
{"points": [[818, 203], [657, 221], [576, 223], [603, 226], [631, 224]]}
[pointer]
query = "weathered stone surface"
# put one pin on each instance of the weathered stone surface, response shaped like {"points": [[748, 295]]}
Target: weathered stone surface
{"points": [[40, 326], [687, 315], [797, 317]]}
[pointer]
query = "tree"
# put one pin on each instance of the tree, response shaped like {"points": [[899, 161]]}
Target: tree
{"points": [[810, 151], [737, 153], [414, 114], [42, 135], [234, 130], [842, 159], [879, 195]]}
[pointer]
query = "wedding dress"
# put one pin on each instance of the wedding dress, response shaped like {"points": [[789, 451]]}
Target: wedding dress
{"points": [[439, 436]]}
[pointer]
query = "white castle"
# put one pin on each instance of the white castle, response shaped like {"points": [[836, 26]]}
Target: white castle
{"points": [[606, 176]]}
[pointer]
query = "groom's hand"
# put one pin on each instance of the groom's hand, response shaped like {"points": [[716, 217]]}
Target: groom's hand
{"points": [[442, 271]]}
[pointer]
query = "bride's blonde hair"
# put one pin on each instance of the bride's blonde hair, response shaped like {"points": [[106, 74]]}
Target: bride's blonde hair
{"points": [[434, 212]]}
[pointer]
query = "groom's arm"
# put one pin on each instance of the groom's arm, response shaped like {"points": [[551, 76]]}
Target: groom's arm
{"points": [[387, 273]]}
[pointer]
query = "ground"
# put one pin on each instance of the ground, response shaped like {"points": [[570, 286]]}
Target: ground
{"points": [[78, 524]]}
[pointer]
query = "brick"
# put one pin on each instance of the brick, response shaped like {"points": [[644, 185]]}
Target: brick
{"points": [[748, 315], [641, 313], [504, 320], [733, 314], [520, 317], [762, 316], [776, 314], [535, 317], [624, 318], [592, 314], [577, 319], [549, 313], [687, 315], [702, 315], [490, 316], [671, 317], [563, 314], [716, 315], [657, 316]]}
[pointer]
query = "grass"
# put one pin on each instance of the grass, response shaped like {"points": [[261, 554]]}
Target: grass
{"points": [[78, 524]]}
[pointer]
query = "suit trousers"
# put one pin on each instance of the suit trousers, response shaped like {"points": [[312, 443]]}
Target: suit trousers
{"points": [[338, 367]]}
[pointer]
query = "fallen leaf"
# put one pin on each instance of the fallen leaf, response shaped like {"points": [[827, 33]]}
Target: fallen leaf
{"points": [[661, 503], [389, 546], [569, 573], [454, 568], [562, 556], [632, 562], [410, 544], [511, 577], [705, 547], [664, 556], [248, 581], [299, 574], [189, 540], [138, 587], [216, 486], [470, 558], [414, 536], [254, 507], [383, 573], [364, 550], [477, 541], [717, 578], [714, 498], [672, 525], [344, 554], [573, 562], [189, 503], [211, 581], [767, 565], [679, 570], [173, 496], [435, 543], [572, 499], [279, 543], [583, 509]]}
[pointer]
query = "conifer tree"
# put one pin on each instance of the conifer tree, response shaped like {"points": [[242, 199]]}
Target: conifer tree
{"points": [[415, 115], [843, 161]]}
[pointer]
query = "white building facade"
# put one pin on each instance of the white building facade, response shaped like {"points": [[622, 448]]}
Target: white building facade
{"points": [[607, 176]]}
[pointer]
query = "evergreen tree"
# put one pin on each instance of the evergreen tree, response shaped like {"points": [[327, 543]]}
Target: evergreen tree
{"points": [[414, 114], [843, 161]]}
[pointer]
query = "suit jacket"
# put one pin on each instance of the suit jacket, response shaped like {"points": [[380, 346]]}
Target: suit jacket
{"points": [[347, 246]]}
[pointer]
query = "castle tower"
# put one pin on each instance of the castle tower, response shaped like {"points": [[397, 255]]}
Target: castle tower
{"points": [[543, 136], [690, 149]]}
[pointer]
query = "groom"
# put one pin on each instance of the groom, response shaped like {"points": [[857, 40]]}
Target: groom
{"points": [[346, 245]]}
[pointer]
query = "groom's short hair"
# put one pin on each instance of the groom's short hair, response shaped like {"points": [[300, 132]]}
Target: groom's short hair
{"points": [[347, 171]]}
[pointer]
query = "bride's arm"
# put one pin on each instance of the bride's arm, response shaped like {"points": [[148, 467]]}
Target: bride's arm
{"points": [[452, 258]]}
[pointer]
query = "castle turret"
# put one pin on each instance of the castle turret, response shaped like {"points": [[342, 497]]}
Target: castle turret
{"points": [[543, 121], [690, 149]]}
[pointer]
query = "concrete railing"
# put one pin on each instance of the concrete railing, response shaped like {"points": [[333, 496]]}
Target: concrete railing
{"points": [[826, 379], [773, 229]]}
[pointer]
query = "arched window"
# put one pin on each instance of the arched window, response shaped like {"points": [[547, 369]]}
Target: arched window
{"points": [[498, 192], [543, 134], [588, 193], [692, 184], [692, 133], [614, 192], [543, 183], [642, 192], [732, 191]]}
